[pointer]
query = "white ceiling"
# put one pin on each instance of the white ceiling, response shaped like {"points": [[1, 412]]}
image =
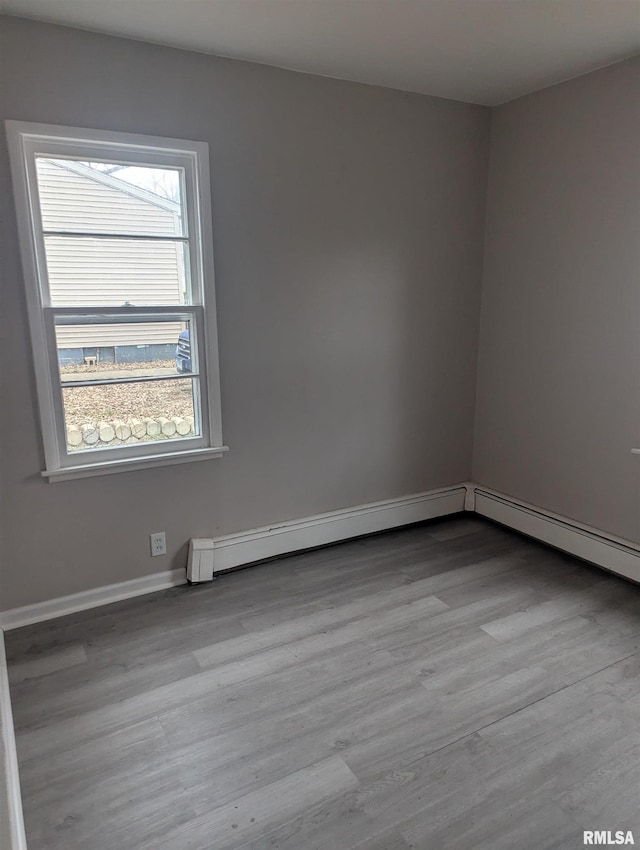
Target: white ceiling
{"points": [[480, 51]]}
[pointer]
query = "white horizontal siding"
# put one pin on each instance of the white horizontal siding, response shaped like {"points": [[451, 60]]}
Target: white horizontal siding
{"points": [[92, 336], [111, 272], [70, 201], [108, 272]]}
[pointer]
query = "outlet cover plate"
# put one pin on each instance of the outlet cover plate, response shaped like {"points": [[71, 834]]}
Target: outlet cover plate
{"points": [[158, 543]]}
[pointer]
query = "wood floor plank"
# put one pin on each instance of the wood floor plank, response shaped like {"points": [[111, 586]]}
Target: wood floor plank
{"points": [[323, 640], [337, 822], [584, 602], [517, 822], [229, 765], [453, 529], [132, 791], [449, 686], [368, 598], [570, 649], [465, 617], [79, 690], [611, 791], [47, 662], [604, 691], [445, 720], [253, 815], [549, 762], [296, 628], [430, 784], [203, 705]]}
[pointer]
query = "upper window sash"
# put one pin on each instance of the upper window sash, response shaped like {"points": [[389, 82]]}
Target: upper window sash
{"points": [[57, 174], [102, 148]]}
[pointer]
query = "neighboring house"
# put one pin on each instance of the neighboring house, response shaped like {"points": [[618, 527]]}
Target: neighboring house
{"points": [[109, 271]]}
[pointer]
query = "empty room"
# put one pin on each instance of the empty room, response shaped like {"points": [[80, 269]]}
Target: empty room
{"points": [[319, 424]]}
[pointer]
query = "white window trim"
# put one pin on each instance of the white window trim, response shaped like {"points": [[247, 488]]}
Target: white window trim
{"points": [[26, 139]]}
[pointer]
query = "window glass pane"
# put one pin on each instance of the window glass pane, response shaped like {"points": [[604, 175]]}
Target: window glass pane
{"points": [[116, 272], [102, 197], [102, 417], [104, 351]]}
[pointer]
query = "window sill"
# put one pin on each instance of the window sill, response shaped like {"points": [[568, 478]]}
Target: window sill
{"points": [[108, 467]]}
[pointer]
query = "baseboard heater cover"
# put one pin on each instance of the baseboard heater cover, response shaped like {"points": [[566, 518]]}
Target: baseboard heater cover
{"points": [[598, 547], [209, 556], [200, 560], [260, 544]]}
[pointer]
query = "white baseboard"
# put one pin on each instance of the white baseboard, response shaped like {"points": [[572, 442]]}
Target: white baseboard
{"points": [[40, 611], [12, 834], [235, 550], [591, 544]]}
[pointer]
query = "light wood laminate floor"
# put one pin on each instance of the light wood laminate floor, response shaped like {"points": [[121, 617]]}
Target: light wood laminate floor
{"points": [[450, 685]]}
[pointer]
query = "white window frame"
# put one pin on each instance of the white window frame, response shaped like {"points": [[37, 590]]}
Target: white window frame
{"points": [[27, 140]]}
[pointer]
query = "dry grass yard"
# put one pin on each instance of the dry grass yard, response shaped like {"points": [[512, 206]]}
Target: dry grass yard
{"points": [[124, 401]]}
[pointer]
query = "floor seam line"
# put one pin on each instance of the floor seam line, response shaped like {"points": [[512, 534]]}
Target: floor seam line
{"points": [[481, 729], [553, 693]]}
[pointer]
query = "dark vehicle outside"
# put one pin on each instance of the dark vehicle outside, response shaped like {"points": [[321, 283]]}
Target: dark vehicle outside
{"points": [[183, 352]]}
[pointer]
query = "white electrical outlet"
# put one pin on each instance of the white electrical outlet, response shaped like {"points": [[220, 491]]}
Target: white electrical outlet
{"points": [[158, 544]]}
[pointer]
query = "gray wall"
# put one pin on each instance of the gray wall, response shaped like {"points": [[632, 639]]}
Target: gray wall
{"points": [[558, 398], [348, 231]]}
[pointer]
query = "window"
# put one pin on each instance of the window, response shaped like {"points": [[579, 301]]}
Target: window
{"points": [[115, 234]]}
